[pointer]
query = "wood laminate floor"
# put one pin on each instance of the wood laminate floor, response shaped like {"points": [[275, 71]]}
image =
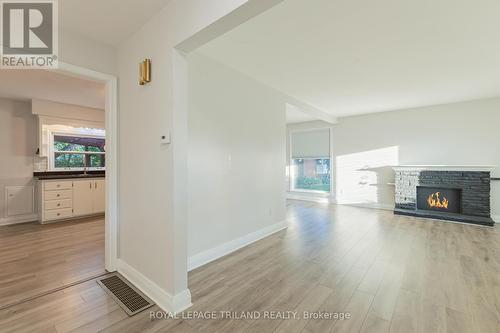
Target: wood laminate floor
{"points": [[37, 258], [390, 273]]}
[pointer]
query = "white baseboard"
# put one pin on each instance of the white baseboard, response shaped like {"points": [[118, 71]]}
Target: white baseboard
{"points": [[18, 219], [231, 246], [326, 199], [370, 205], [167, 302], [312, 198]]}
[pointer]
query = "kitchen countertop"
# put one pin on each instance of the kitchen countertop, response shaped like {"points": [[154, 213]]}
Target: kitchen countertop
{"points": [[47, 175]]}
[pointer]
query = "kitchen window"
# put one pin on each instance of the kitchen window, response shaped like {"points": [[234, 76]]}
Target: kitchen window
{"points": [[78, 152]]}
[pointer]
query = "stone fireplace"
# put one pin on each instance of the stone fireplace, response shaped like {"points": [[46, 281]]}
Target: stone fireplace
{"points": [[451, 193]]}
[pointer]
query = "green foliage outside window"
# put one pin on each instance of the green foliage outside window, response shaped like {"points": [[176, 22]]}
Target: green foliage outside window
{"points": [[312, 174], [67, 152], [68, 160]]}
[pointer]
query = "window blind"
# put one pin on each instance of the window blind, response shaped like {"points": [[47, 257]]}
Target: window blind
{"points": [[311, 144]]}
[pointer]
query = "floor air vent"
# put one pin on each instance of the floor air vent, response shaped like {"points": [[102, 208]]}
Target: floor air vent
{"points": [[125, 294]]}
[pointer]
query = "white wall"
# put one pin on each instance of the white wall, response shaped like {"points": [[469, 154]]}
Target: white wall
{"points": [[67, 111], [153, 176], [18, 144], [48, 85], [460, 134], [236, 155], [81, 51]]}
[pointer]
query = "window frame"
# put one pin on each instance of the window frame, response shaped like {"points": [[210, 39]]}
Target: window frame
{"points": [[53, 152]]}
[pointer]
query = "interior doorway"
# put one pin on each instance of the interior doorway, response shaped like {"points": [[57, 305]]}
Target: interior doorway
{"points": [[50, 242], [111, 122]]}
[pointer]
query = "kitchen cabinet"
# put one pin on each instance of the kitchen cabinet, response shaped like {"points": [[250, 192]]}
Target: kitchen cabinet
{"points": [[70, 198], [83, 197], [98, 196]]}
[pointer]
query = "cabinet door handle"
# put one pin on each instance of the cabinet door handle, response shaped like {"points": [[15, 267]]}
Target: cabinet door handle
{"points": [[58, 195], [95, 185], [90, 185]]}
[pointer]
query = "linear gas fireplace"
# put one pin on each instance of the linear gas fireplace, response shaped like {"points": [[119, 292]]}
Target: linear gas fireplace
{"points": [[449, 193], [439, 199]]}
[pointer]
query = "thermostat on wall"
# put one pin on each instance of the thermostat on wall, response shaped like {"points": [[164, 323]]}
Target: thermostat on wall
{"points": [[165, 139]]}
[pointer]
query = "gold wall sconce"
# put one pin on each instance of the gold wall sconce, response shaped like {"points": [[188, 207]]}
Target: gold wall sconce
{"points": [[144, 72]]}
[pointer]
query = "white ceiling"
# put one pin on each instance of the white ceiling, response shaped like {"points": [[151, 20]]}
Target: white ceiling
{"points": [[352, 57], [40, 84], [107, 21]]}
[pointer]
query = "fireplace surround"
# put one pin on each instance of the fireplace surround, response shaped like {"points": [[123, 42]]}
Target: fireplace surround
{"points": [[453, 193]]}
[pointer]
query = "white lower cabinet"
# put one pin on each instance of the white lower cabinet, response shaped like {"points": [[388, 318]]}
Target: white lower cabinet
{"points": [[58, 204], [99, 196], [66, 199], [57, 214], [82, 197]]}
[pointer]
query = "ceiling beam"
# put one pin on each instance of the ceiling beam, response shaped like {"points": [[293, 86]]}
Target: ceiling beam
{"points": [[312, 111]]}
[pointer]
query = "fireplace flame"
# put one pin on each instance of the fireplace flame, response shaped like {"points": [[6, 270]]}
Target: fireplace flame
{"points": [[435, 201]]}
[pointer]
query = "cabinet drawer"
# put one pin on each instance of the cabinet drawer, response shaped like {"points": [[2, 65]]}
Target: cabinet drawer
{"points": [[63, 185], [58, 195], [58, 204], [57, 214]]}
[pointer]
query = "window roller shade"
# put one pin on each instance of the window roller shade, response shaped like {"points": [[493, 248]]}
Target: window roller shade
{"points": [[311, 144]]}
